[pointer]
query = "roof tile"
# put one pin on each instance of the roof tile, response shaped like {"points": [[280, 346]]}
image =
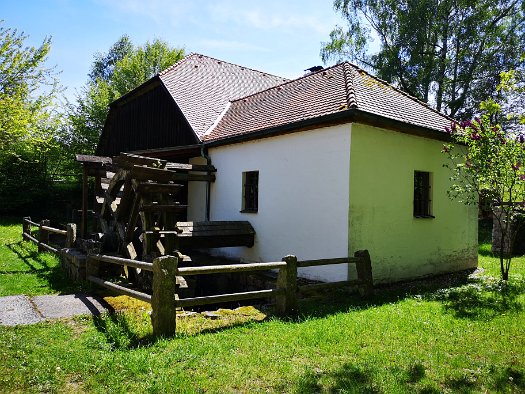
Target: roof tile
{"points": [[203, 86], [341, 87]]}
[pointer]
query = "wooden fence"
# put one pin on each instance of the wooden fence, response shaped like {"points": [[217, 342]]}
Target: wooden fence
{"points": [[44, 230], [165, 301]]}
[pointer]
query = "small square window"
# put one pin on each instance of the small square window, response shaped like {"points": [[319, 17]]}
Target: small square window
{"points": [[250, 191], [422, 195]]}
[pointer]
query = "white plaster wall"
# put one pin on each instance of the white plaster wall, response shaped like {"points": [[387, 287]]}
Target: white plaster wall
{"points": [[303, 197]]}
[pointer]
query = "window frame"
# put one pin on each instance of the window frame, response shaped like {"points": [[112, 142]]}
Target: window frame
{"points": [[422, 197], [250, 192]]}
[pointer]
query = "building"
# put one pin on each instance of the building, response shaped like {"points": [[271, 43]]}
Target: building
{"points": [[321, 166]]}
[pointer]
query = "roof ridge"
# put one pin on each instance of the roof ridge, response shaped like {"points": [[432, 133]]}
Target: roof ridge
{"points": [[351, 98], [286, 83], [413, 98], [200, 55]]}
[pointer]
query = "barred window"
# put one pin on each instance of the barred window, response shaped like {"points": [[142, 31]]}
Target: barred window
{"points": [[250, 191], [422, 194]]}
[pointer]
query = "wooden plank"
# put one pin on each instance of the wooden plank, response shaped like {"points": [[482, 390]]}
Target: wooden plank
{"points": [[120, 289], [54, 230], [216, 242], [161, 175], [315, 263], [122, 261], [213, 233], [306, 289], [133, 216], [190, 167], [32, 223], [163, 208], [215, 223], [229, 268], [215, 299], [30, 238], [128, 160], [172, 188]]}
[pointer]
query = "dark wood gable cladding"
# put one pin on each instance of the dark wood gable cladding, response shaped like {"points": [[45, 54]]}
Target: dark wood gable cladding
{"points": [[146, 118]]}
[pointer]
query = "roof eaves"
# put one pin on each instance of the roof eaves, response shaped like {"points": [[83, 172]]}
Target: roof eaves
{"points": [[349, 115], [142, 88]]}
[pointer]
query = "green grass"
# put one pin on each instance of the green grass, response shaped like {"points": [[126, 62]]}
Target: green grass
{"points": [[451, 334], [25, 271]]}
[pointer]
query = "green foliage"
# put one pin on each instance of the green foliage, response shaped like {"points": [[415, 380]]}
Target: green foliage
{"points": [[487, 161], [28, 122], [114, 74], [447, 53]]}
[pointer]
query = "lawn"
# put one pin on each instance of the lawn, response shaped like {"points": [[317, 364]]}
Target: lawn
{"points": [[451, 334]]}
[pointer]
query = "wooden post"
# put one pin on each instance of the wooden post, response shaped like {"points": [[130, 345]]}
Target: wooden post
{"points": [[43, 235], [83, 226], [286, 303], [163, 300], [364, 273], [26, 226], [71, 236]]}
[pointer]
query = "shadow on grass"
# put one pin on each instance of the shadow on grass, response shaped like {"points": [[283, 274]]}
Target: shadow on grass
{"points": [[337, 301], [351, 378], [37, 265], [125, 331], [120, 333], [483, 298]]}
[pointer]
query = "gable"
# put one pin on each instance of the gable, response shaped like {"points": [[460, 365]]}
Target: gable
{"points": [[144, 120]]}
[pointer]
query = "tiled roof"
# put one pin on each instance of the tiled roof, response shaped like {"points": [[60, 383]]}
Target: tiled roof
{"points": [[339, 88], [202, 87]]}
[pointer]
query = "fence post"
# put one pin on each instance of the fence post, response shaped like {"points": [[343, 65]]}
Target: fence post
{"points": [[163, 300], [71, 236], [43, 235], [26, 226], [286, 303], [364, 273]]}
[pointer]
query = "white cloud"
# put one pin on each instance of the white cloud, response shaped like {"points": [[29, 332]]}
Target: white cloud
{"points": [[274, 15]]}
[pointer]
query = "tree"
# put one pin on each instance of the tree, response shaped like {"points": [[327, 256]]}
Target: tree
{"points": [[28, 124], [112, 75], [27, 91], [448, 53], [487, 160]]}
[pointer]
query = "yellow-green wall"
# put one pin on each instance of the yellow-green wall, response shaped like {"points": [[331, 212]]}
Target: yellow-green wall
{"points": [[382, 165]]}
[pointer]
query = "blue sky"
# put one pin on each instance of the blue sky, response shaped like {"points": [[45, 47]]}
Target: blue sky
{"points": [[279, 37]]}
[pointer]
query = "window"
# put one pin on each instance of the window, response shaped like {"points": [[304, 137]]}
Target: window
{"points": [[250, 191], [422, 195]]}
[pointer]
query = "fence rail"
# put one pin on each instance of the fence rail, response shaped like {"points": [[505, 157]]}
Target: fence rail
{"points": [[165, 301], [44, 229]]}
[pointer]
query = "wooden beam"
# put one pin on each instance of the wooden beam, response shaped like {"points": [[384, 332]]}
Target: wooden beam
{"points": [[161, 175], [230, 268], [120, 289]]}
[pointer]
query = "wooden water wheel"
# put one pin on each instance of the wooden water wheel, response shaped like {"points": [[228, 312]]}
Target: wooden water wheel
{"points": [[142, 206]]}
